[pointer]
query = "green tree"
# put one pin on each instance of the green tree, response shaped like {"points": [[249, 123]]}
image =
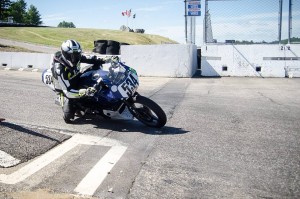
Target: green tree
{"points": [[4, 5], [18, 11], [65, 24], [33, 16]]}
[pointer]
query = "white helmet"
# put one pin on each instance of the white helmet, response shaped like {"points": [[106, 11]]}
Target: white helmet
{"points": [[71, 52]]}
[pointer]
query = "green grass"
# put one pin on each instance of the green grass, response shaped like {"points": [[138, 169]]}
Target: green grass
{"points": [[55, 36]]}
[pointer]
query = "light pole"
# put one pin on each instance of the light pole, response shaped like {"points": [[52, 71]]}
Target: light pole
{"points": [[280, 21], [205, 21], [185, 15], [290, 21]]}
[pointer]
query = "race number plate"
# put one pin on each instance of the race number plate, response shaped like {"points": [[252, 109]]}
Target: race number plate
{"points": [[47, 79], [129, 86]]}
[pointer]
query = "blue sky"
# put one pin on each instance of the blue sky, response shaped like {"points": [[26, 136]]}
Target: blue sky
{"points": [[237, 19]]}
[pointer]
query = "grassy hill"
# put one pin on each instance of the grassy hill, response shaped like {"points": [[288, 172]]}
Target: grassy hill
{"points": [[55, 36]]}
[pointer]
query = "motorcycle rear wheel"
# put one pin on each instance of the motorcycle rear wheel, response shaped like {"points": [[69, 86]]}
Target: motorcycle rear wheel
{"points": [[148, 112]]}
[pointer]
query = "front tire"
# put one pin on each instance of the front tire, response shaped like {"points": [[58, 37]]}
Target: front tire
{"points": [[148, 112], [68, 111], [68, 117]]}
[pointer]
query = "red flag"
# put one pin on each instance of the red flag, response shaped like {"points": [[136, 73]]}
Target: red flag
{"points": [[128, 13]]}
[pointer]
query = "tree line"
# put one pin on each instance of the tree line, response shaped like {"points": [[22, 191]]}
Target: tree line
{"points": [[65, 24], [20, 13]]}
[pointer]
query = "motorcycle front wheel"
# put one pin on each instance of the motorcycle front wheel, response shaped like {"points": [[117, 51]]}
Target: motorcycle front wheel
{"points": [[148, 112]]}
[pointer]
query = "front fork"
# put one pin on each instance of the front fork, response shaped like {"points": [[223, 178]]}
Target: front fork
{"points": [[60, 99], [130, 104]]}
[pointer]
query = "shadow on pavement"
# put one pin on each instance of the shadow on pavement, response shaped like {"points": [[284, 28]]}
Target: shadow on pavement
{"points": [[127, 126], [20, 129], [26, 143]]}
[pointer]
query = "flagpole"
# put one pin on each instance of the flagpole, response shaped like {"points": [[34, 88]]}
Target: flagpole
{"points": [[132, 23], [128, 14]]}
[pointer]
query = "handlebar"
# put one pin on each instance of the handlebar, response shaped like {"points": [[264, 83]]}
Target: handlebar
{"points": [[99, 84]]}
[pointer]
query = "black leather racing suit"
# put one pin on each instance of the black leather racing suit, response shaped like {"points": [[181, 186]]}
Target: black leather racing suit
{"points": [[66, 79]]}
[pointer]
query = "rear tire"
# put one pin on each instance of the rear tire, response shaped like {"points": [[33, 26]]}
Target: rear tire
{"points": [[148, 112]]}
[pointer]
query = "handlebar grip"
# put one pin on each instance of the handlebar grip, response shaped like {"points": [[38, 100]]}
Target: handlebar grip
{"points": [[99, 84]]}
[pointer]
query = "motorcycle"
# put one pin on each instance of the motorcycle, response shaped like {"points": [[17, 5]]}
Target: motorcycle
{"points": [[117, 99]]}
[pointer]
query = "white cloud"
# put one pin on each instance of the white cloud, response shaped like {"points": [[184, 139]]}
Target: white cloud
{"points": [[150, 9], [172, 32], [171, 2], [162, 5], [54, 17]]}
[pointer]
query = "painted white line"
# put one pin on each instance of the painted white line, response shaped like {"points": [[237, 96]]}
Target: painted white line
{"points": [[57, 152], [38, 164], [7, 160], [98, 173]]}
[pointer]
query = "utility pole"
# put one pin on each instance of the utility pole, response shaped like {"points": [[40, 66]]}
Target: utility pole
{"points": [[205, 24], [185, 15], [290, 21], [205, 21], [280, 21]]}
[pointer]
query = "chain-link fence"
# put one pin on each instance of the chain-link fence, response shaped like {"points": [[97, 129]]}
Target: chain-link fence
{"points": [[248, 21]]}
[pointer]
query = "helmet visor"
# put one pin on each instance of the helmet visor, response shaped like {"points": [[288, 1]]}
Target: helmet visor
{"points": [[73, 57]]}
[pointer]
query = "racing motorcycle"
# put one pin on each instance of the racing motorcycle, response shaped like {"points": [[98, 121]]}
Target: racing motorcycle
{"points": [[116, 96]]}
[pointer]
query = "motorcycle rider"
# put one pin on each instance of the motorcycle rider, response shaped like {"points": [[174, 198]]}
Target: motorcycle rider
{"points": [[66, 72]]}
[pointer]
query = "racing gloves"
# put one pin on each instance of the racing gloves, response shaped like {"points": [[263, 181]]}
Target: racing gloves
{"points": [[111, 59], [89, 92]]}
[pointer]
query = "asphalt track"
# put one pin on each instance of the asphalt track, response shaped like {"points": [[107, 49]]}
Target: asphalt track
{"points": [[225, 138]]}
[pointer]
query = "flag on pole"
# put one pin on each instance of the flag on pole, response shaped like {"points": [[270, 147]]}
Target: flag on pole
{"points": [[127, 13]]}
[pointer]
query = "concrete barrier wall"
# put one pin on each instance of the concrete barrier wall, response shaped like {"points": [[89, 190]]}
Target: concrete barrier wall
{"points": [[176, 60], [25, 60], [149, 60], [251, 60], [168, 60]]}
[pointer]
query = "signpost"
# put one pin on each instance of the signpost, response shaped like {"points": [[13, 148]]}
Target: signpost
{"points": [[192, 10]]}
